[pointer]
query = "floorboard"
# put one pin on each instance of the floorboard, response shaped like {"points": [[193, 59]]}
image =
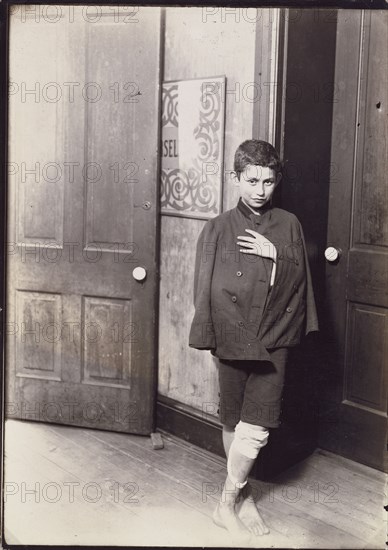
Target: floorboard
{"points": [[89, 487]]}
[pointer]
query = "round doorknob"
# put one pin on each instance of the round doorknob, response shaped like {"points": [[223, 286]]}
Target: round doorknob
{"points": [[139, 273], [332, 254]]}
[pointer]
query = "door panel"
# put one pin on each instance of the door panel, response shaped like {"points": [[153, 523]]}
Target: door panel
{"points": [[358, 226], [82, 215]]}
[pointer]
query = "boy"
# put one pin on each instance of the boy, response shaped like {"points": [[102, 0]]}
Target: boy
{"points": [[253, 299]]}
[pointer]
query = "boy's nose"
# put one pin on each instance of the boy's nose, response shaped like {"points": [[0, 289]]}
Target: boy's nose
{"points": [[260, 189]]}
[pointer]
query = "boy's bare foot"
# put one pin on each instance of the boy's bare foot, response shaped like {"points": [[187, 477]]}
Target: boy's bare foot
{"points": [[251, 517], [226, 517]]}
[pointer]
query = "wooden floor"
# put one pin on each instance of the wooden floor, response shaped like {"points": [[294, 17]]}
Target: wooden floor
{"points": [[74, 486]]}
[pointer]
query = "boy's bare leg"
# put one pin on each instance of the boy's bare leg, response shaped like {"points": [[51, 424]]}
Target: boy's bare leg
{"points": [[227, 438], [225, 512]]}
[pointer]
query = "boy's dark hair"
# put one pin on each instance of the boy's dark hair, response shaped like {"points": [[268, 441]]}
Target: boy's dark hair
{"points": [[256, 152]]}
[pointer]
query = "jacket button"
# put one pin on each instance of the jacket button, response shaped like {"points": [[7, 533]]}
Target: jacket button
{"points": [[240, 323], [239, 273], [234, 299], [289, 309]]}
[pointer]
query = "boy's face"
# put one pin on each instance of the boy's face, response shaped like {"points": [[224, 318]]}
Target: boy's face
{"points": [[257, 185]]}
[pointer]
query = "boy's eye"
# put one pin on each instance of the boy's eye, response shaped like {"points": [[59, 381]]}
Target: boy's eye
{"points": [[267, 183]]}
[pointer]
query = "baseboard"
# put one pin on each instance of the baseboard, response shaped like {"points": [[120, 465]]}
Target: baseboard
{"points": [[189, 424]]}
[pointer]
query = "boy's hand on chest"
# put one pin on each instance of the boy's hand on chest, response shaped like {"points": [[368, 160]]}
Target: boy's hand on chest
{"points": [[257, 244]]}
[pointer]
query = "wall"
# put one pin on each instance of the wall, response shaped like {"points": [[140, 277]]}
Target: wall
{"points": [[199, 46]]}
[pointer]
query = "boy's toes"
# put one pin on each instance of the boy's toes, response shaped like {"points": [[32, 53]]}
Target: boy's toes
{"points": [[256, 526], [256, 529]]}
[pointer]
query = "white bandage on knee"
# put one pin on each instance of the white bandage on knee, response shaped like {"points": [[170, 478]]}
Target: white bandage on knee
{"points": [[248, 440]]}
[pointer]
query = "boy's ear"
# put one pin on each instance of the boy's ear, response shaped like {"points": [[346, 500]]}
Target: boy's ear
{"points": [[234, 177]]}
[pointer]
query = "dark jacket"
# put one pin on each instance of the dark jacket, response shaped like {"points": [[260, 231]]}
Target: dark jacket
{"points": [[237, 314]]}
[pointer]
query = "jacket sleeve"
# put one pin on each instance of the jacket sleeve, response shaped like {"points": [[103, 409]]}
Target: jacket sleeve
{"points": [[311, 310], [202, 334]]}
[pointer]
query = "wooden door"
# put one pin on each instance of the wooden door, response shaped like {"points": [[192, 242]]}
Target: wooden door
{"points": [[355, 397], [82, 215]]}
